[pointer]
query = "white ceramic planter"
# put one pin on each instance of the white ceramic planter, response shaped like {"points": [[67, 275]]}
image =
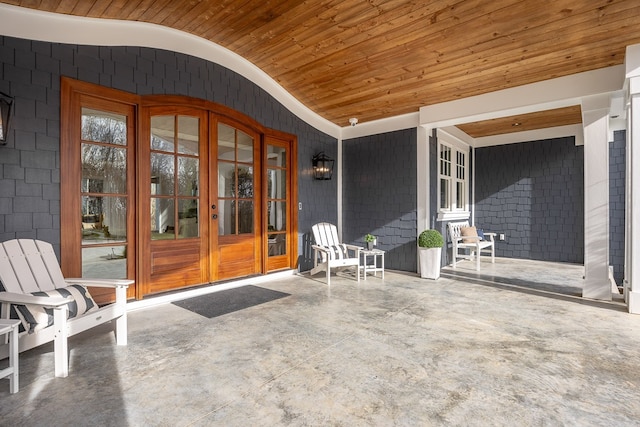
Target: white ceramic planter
{"points": [[430, 262]]}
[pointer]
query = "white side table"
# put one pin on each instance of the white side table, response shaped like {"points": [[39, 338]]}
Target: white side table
{"points": [[372, 254], [10, 327]]}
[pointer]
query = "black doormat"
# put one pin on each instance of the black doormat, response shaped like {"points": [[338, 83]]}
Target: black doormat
{"points": [[230, 300]]}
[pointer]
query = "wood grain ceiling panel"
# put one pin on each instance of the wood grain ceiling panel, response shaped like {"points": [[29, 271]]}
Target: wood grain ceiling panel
{"points": [[524, 122], [374, 59]]}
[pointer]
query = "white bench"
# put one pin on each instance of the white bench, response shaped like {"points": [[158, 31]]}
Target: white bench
{"points": [[30, 266], [474, 244]]}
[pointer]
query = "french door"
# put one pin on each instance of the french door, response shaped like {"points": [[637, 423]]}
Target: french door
{"points": [[171, 191], [173, 228], [235, 200]]}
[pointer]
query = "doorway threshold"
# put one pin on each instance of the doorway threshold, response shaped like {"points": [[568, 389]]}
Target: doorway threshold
{"points": [[207, 288]]}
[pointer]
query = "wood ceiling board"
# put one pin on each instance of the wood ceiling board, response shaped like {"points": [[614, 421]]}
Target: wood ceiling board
{"points": [[376, 59], [524, 122]]}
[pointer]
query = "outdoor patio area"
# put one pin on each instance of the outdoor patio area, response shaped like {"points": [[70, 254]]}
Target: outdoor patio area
{"points": [[513, 344]]}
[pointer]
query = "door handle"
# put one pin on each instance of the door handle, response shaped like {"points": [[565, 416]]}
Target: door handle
{"points": [[214, 216]]}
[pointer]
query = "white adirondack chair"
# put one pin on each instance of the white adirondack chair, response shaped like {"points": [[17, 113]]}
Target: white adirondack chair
{"points": [[474, 244], [329, 253], [28, 266]]}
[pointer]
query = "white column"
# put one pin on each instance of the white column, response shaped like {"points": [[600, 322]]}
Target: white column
{"points": [[595, 121], [632, 221], [423, 184], [338, 175]]}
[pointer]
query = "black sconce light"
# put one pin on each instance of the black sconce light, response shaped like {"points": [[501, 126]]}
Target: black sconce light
{"points": [[322, 166], [6, 102]]}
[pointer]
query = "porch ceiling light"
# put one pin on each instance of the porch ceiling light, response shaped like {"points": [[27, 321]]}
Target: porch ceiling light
{"points": [[322, 166], [6, 102]]}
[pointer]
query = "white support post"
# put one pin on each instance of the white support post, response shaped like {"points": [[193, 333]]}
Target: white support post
{"points": [[632, 244], [339, 193], [423, 184], [595, 120]]}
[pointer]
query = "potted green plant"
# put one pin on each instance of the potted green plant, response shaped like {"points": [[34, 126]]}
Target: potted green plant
{"points": [[430, 244], [371, 240]]}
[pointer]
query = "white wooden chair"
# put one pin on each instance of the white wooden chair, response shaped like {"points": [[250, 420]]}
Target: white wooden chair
{"points": [[30, 266], [465, 238], [329, 253]]}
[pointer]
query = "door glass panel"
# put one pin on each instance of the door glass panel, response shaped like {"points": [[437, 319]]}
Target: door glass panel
{"points": [[104, 219], [104, 261], [245, 182], [162, 174], [162, 133], [103, 126], [235, 181], [188, 135], [276, 213], [104, 168], [188, 176], [162, 218], [188, 218], [226, 182], [245, 217], [277, 183], [103, 188], [276, 156], [226, 217], [245, 148], [226, 142]]}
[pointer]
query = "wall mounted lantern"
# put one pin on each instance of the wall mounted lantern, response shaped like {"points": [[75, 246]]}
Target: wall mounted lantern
{"points": [[322, 166], [6, 102]]}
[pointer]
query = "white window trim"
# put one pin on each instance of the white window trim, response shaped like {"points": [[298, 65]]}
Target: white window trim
{"points": [[456, 145]]}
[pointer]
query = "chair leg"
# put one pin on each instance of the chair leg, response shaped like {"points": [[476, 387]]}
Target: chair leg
{"points": [[493, 254], [328, 275], [478, 259], [121, 322], [455, 256], [60, 345]]}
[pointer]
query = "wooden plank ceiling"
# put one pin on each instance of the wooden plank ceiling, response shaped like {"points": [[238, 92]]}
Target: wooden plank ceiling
{"points": [[374, 59]]}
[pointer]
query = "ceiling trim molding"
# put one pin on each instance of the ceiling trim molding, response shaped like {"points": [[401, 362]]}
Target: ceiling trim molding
{"points": [[375, 127], [59, 28], [546, 95], [532, 135]]}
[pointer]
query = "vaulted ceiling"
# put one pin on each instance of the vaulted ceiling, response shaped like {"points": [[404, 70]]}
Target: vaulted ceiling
{"points": [[374, 59]]}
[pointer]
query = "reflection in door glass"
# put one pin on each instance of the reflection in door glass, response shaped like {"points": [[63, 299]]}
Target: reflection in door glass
{"points": [[235, 181], [188, 135], [187, 218], [175, 174], [162, 174], [104, 169], [188, 176], [103, 189], [162, 133], [104, 126], [104, 261], [245, 216], [104, 219], [163, 224]]}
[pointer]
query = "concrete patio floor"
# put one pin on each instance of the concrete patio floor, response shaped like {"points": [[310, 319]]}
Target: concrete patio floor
{"points": [[514, 345]]}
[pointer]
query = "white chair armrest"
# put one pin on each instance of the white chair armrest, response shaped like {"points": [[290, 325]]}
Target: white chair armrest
{"points": [[100, 283], [491, 236], [320, 248], [14, 298]]}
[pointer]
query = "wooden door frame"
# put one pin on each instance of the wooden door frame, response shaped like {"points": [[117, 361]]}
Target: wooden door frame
{"points": [[72, 92]]}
